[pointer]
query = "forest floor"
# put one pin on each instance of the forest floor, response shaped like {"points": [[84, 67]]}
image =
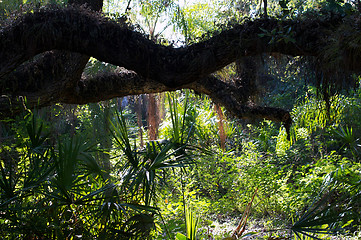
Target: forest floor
{"points": [[259, 229]]}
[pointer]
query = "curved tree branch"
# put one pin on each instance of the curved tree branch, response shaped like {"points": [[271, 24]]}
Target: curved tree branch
{"points": [[46, 74], [110, 85], [72, 34], [79, 30]]}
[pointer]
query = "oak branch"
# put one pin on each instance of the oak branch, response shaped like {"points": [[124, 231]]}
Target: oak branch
{"points": [[43, 55]]}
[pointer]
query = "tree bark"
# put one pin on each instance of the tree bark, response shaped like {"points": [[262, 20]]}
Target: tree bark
{"points": [[55, 76], [78, 30]]}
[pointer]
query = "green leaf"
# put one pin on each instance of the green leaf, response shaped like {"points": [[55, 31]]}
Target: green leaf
{"points": [[180, 236]]}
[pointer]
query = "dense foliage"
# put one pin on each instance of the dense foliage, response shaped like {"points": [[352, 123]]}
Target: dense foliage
{"points": [[56, 184]]}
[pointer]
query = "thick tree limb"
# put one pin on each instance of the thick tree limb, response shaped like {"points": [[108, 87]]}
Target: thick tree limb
{"points": [[110, 85], [53, 78], [129, 83], [80, 31], [125, 83], [46, 75]]}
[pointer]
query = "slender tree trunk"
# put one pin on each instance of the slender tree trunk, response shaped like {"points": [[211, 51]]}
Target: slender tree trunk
{"points": [[153, 117], [73, 119], [222, 133], [138, 106], [106, 139]]}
